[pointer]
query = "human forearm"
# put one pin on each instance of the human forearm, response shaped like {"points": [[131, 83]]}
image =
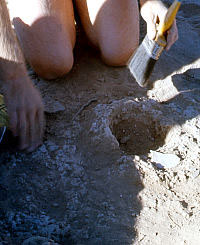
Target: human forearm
{"points": [[12, 64], [23, 100]]}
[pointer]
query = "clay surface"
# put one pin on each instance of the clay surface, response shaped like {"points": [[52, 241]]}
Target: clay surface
{"points": [[94, 181]]}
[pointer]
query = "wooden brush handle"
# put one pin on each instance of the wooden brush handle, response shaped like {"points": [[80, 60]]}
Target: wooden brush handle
{"points": [[167, 23], [169, 18]]}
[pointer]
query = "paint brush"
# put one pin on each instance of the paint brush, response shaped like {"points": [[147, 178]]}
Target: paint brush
{"points": [[142, 62]]}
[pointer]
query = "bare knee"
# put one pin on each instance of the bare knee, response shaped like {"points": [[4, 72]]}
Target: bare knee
{"points": [[49, 68], [116, 56], [47, 45]]}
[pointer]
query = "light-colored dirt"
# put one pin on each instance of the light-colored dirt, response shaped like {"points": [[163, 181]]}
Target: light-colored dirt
{"points": [[93, 181]]}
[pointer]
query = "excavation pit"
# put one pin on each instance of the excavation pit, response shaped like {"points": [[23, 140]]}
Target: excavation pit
{"points": [[138, 137]]}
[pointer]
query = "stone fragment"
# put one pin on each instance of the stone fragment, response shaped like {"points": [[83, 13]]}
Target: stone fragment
{"points": [[43, 149], [53, 106], [164, 160], [37, 240], [51, 146], [195, 173]]}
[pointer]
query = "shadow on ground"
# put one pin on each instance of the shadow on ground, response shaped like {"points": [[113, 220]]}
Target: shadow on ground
{"points": [[74, 191]]}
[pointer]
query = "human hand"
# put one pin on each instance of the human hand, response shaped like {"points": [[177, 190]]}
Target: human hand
{"points": [[25, 112], [153, 12]]}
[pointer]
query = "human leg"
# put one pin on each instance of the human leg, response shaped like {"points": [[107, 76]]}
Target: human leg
{"points": [[112, 26], [46, 32]]}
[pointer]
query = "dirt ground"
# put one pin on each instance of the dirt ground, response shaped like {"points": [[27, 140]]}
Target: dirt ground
{"points": [[96, 178]]}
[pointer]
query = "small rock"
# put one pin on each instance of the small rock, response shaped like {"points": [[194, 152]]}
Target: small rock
{"points": [[53, 106], [164, 160], [52, 146], [43, 149], [124, 139], [196, 173], [37, 240], [55, 205], [137, 158]]}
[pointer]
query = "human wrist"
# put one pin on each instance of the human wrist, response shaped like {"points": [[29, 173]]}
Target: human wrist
{"points": [[12, 71], [16, 83]]}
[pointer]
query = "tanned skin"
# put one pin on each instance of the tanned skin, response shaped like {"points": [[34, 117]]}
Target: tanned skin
{"points": [[23, 101], [154, 12], [46, 34]]}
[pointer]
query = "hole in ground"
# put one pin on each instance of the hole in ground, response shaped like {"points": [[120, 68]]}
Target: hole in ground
{"points": [[138, 137]]}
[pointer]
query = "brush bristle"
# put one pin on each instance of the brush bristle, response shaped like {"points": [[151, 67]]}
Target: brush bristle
{"points": [[141, 64]]}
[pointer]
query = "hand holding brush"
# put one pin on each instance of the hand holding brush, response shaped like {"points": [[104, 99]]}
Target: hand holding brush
{"points": [[161, 34]]}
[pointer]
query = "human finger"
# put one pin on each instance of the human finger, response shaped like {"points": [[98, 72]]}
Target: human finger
{"points": [[41, 123], [32, 131], [151, 28], [13, 122], [22, 129], [36, 129]]}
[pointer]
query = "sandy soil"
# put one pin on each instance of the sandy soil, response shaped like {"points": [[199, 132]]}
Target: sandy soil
{"points": [[95, 180]]}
